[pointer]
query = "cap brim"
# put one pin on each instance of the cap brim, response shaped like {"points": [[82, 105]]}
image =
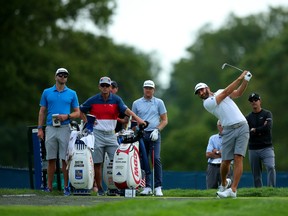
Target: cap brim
{"points": [[61, 73], [196, 92]]}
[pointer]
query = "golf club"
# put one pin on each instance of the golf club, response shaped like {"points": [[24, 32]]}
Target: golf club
{"points": [[153, 171], [225, 64]]}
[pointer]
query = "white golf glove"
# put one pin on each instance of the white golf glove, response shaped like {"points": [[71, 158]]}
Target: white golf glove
{"points": [[154, 135], [248, 76]]}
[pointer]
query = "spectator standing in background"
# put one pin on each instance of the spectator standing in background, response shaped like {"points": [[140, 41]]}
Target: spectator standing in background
{"points": [[213, 154], [152, 110], [56, 104], [122, 119], [260, 148]]}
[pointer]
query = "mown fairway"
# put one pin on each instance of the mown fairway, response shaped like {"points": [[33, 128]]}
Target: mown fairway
{"points": [[250, 201]]}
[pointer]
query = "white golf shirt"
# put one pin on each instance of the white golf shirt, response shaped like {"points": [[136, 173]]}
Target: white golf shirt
{"points": [[227, 111]]}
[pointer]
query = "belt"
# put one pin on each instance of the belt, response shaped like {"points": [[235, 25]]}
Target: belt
{"points": [[60, 126], [234, 126], [216, 165], [105, 132]]}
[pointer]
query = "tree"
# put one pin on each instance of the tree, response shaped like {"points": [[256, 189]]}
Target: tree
{"points": [[258, 43], [27, 30], [37, 37]]}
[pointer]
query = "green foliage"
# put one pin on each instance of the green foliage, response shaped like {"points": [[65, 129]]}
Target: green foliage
{"points": [[37, 38], [185, 149], [257, 43], [30, 37], [14, 145]]}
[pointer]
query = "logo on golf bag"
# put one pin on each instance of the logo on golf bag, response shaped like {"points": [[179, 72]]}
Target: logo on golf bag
{"points": [[126, 166], [78, 174], [134, 162]]}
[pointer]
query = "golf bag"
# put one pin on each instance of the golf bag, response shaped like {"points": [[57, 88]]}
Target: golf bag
{"points": [[108, 172], [79, 156], [126, 163]]}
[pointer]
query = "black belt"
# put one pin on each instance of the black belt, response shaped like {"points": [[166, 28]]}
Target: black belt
{"points": [[60, 126], [216, 165]]}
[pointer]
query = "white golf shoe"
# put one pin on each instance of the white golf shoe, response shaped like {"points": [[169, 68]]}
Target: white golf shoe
{"points": [[146, 191], [158, 191], [227, 193], [223, 188]]}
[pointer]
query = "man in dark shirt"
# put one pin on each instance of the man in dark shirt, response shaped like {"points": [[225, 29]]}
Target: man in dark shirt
{"points": [[122, 119], [260, 143]]}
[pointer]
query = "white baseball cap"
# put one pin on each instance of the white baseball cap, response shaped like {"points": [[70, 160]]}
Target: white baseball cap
{"points": [[199, 86], [106, 80], [61, 70], [149, 83]]}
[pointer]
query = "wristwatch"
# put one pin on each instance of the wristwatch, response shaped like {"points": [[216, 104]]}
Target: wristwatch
{"points": [[217, 152]]}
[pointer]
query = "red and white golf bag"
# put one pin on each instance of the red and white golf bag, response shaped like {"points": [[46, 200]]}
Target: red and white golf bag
{"points": [[126, 163]]}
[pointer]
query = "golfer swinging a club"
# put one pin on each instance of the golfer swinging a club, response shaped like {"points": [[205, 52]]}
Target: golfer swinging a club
{"points": [[235, 133]]}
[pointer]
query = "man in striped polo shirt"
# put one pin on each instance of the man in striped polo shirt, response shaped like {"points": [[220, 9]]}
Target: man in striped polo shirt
{"points": [[106, 107]]}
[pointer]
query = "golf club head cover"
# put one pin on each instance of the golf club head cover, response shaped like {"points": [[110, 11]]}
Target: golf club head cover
{"points": [[90, 122], [248, 76], [154, 135]]}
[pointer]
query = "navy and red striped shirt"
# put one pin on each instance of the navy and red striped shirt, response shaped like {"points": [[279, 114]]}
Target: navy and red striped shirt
{"points": [[106, 112]]}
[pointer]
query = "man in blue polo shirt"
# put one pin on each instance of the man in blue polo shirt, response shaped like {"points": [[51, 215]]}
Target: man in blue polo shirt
{"points": [[213, 154], [153, 110], [56, 104], [106, 107]]}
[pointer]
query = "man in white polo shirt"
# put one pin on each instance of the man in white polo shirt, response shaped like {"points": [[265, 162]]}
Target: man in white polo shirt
{"points": [[235, 128]]}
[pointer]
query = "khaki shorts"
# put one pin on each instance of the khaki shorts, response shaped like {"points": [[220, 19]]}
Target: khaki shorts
{"points": [[235, 141], [104, 142], [57, 139]]}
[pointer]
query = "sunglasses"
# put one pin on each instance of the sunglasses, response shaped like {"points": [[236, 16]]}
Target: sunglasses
{"points": [[253, 100], [62, 75], [104, 85]]}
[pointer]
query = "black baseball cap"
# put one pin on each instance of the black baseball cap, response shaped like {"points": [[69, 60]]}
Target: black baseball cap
{"points": [[114, 84], [253, 97]]}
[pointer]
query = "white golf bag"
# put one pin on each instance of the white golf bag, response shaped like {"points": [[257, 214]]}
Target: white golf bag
{"points": [[79, 158], [126, 163], [108, 172]]}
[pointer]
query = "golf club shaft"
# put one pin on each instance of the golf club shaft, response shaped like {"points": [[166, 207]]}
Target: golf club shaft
{"points": [[153, 174], [233, 67]]}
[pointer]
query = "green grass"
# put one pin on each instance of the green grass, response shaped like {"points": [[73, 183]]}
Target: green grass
{"points": [[242, 192], [250, 201]]}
